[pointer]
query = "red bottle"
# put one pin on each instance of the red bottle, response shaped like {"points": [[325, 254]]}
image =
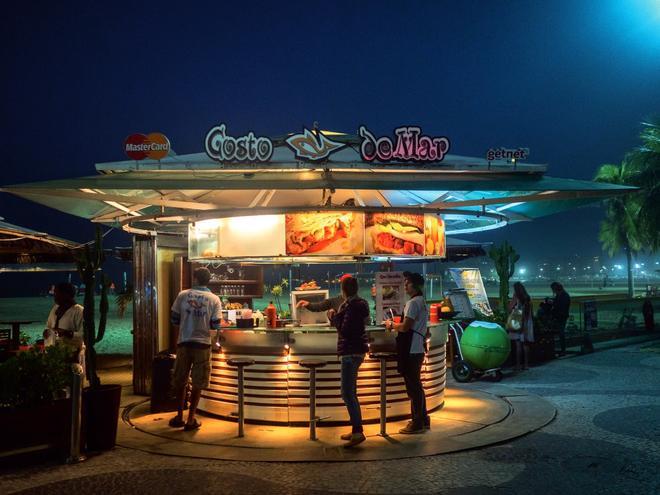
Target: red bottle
{"points": [[271, 316]]}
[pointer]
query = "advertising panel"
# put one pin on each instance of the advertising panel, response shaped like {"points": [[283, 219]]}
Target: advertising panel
{"points": [[257, 235], [204, 239], [323, 233], [394, 233], [435, 243], [470, 280], [390, 295]]}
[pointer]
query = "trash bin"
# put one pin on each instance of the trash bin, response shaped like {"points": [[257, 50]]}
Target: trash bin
{"points": [[163, 398]]}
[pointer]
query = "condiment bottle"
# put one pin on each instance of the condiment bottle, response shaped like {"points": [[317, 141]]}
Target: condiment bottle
{"points": [[258, 317], [271, 316]]}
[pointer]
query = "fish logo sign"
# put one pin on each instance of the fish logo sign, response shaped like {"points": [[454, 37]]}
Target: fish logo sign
{"points": [[312, 146]]}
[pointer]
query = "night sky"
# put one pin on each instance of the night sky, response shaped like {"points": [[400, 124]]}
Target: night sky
{"points": [[571, 80]]}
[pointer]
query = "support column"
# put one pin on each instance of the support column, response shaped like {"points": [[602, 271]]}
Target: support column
{"points": [[145, 312]]}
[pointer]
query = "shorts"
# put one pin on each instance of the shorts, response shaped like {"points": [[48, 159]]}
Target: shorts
{"points": [[199, 359]]}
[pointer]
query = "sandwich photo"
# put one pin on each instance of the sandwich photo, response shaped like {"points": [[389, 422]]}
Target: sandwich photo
{"points": [[395, 233], [317, 233]]}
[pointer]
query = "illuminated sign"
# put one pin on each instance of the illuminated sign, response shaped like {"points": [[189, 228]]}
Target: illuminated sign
{"points": [[312, 146], [409, 145], [154, 146], [507, 154], [223, 148]]}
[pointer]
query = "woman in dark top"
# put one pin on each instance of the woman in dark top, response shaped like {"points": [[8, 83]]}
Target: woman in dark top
{"points": [[351, 348]]}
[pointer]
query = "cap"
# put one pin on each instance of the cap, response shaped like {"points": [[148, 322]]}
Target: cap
{"points": [[415, 278], [345, 276]]}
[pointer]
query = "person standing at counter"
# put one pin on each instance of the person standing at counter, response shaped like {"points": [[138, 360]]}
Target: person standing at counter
{"points": [[332, 303], [195, 311], [351, 348], [411, 333]]}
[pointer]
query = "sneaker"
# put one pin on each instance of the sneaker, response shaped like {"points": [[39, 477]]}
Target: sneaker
{"points": [[355, 439], [346, 436], [412, 429]]}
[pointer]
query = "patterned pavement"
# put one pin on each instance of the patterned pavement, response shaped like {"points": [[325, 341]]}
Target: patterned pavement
{"points": [[605, 440]]}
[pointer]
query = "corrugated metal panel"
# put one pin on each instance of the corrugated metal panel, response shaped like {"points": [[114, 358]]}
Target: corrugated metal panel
{"points": [[145, 312]]}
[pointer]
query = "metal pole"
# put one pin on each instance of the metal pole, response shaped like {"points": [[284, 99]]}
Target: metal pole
{"points": [[240, 402], [76, 411], [383, 396], [312, 404]]}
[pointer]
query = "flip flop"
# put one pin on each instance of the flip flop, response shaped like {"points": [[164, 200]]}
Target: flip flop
{"points": [[176, 422], [192, 426]]}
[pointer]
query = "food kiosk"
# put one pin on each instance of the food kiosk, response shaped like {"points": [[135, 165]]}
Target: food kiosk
{"points": [[312, 196]]}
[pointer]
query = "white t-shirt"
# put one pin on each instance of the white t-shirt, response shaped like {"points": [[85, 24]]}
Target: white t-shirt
{"points": [[416, 310], [71, 320], [196, 311]]}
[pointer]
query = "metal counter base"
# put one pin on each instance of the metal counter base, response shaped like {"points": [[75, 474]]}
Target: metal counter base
{"points": [[277, 387]]}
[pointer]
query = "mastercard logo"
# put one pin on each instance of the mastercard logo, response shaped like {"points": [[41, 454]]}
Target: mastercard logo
{"points": [[154, 146]]}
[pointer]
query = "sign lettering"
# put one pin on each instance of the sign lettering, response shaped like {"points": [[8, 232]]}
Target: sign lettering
{"points": [[507, 154], [223, 148], [409, 145], [154, 146]]}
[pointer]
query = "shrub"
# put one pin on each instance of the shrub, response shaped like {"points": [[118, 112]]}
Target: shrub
{"points": [[32, 378]]}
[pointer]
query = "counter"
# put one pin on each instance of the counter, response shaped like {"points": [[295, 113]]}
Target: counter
{"points": [[277, 387]]}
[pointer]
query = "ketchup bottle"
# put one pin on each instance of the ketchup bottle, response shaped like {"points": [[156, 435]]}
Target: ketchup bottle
{"points": [[271, 316]]}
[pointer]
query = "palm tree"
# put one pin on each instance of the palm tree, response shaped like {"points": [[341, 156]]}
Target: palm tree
{"points": [[619, 230], [632, 221], [645, 159]]}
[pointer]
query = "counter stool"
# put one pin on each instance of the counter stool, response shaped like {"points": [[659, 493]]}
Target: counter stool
{"points": [[240, 363], [383, 357], [312, 365]]}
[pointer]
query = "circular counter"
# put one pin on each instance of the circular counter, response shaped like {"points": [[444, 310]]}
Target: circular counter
{"points": [[277, 387]]}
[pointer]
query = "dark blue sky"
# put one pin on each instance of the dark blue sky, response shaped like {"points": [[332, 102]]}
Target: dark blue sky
{"points": [[571, 80]]}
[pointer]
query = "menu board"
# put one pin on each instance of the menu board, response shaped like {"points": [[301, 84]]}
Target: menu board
{"points": [[434, 236], [470, 280], [317, 233], [394, 233], [334, 233], [390, 295]]}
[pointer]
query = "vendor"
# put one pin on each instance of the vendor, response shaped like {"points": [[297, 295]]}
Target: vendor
{"points": [[65, 321], [410, 345]]}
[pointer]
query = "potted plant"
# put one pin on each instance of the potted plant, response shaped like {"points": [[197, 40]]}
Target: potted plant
{"points": [[100, 402], [33, 401], [24, 342]]}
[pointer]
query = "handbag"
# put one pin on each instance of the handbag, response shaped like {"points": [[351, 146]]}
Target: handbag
{"points": [[514, 321]]}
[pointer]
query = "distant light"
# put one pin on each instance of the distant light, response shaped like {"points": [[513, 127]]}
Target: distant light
{"points": [[637, 265]]}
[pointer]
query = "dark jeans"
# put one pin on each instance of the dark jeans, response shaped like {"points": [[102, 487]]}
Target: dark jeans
{"points": [[349, 372], [560, 327], [410, 367]]}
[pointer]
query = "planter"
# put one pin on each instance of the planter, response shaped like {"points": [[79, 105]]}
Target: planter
{"points": [[41, 427], [100, 416]]}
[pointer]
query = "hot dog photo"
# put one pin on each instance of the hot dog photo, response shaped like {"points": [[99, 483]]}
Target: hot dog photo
{"points": [[394, 233], [317, 233]]}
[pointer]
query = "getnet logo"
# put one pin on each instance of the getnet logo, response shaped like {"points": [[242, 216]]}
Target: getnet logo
{"points": [[154, 146]]}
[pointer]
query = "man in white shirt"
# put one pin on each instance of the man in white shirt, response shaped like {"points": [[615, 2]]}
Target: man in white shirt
{"points": [[195, 311], [410, 344], [65, 321]]}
